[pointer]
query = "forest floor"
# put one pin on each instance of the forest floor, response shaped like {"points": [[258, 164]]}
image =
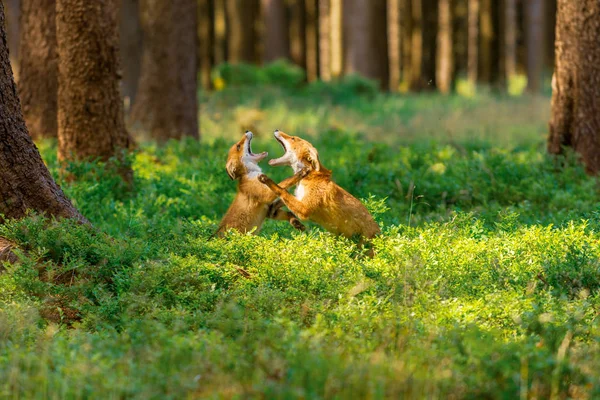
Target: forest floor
{"points": [[484, 284]]}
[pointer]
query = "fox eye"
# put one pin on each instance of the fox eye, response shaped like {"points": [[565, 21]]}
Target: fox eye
{"points": [[293, 139], [238, 147]]}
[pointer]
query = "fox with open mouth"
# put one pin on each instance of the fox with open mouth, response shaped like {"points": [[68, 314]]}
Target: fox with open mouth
{"points": [[254, 201], [317, 197]]}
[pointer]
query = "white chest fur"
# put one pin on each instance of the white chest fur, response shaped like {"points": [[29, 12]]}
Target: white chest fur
{"points": [[299, 192]]}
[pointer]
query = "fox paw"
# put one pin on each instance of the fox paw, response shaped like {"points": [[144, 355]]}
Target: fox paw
{"points": [[304, 172], [262, 178], [297, 224]]}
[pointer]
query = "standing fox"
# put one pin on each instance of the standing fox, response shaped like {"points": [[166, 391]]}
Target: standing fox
{"points": [[317, 197], [254, 201]]}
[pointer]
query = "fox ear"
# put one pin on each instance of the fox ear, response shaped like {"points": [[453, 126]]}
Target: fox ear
{"points": [[313, 159], [231, 170]]}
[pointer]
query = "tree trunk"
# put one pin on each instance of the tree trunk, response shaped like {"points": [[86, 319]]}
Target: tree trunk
{"points": [[38, 58], [90, 108], [242, 37], [549, 33], [131, 46], [394, 29], [366, 39], [325, 39], [166, 104], [429, 29], [220, 21], [13, 22], [473, 42], [337, 53], [444, 47], [486, 35], [406, 28], [535, 44], [276, 30], [510, 38], [298, 33], [575, 120], [206, 41], [312, 40], [25, 182], [416, 50]]}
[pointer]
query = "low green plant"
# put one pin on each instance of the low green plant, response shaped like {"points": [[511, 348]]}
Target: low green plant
{"points": [[491, 290]]}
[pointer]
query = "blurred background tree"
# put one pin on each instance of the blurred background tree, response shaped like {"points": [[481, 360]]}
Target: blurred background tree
{"points": [[403, 44], [168, 49]]}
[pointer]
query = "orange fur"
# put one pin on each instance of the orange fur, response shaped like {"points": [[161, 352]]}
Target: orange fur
{"points": [[253, 202], [318, 198]]}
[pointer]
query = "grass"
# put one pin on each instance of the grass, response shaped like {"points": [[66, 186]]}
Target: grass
{"points": [[484, 284]]}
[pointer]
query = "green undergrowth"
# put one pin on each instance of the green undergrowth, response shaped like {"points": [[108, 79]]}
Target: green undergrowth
{"points": [[484, 283]]}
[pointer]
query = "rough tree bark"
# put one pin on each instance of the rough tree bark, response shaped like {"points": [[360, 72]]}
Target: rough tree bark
{"points": [[535, 44], [394, 29], [276, 30], [575, 120], [25, 182], [90, 108], [38, 58], [325, 39], [473, 41], [131, 45], [166, 105], [242, 37], [444, 47], [366, 39]]}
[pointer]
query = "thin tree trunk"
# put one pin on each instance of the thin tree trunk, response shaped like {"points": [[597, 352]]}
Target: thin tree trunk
{"points": [[206, 41], [575, 120], [276, 30], [429, 26], [337, 54], [510, 41], [406, 27], [38, 58], [535, 44], [549, 33], [166, 105], [131, 45], [473, 42], [366, 39], [242, 37], [325, 39], [416, 51], [90, 109], [444, 47], [220, 21], [13, 23], [312, 40], [394, 43], [25, 183], [298, 33], [486, 41]]}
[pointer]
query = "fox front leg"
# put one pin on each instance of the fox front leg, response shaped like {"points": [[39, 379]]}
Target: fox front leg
{"points": [[295, 205], [275, 212], [293, 180]]}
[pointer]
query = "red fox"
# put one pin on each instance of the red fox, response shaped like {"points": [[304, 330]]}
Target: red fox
{"points": [[317, 197], [254, 201]]}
